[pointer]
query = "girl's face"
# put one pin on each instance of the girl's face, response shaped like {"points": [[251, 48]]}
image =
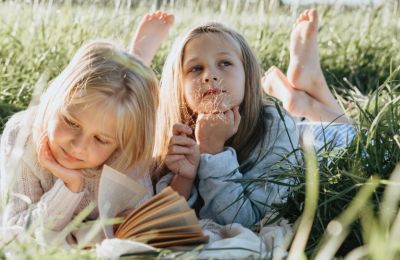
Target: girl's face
{"points": [[82, 138], [213, 74]]}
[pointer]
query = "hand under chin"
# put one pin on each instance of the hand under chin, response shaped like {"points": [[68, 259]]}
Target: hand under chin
{"points": [[212, 108]]}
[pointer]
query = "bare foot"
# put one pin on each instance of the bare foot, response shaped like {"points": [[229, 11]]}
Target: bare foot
{"points": [[297, 102], [304, 70], [151, 32]]}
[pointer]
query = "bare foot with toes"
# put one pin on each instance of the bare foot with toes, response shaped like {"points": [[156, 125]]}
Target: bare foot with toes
{"points": [[304, 70], [151, 31], [296, 102]]}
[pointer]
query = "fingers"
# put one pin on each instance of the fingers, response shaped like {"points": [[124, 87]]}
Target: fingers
{"points": [[181, 129], [44, 154], [179, 143], [181, 140], [171, 159], [178, 149]]}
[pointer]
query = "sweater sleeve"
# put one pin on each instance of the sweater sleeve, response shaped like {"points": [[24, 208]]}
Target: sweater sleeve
{"points": [[245, 197], [22, 194]]}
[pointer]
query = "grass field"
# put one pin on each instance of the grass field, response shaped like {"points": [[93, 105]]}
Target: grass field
{"points": [[359, 49]]}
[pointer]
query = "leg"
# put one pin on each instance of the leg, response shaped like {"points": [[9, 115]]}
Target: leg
{"points": [[151, 32], [304, 70]]}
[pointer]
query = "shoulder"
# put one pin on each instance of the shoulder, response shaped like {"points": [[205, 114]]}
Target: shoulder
{"points": [[13, 127], [278, 120], [282, 133], [17, 131]]}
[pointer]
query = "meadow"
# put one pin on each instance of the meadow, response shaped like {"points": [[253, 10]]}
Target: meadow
{"points": [[344, 203]]}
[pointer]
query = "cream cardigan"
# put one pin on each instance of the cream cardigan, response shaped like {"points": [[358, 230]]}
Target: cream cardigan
{"points": [[22, 179]]}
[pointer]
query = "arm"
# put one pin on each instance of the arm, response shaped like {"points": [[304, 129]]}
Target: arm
{"points": [[55, 206], [182, 159], [226, 201]]}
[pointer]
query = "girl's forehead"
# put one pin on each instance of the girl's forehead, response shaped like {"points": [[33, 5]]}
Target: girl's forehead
{"points": [[94, 107], [212, 41]]}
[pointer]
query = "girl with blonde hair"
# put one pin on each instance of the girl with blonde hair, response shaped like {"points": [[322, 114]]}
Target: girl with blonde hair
{"points": [[218, 139], [100, 110], [212, 101]]}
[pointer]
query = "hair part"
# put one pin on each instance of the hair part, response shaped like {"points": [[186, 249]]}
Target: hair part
{"points": [[101, 74]]}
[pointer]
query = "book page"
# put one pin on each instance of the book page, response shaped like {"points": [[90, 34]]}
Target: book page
{"points": [[138, 215], [179, 242], [179, 205], [171, 220], [156, 201], [117, 192], [196, 228]]}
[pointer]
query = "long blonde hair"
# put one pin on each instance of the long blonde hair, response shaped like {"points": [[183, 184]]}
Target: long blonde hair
{"points": [[173, 108], [102, 74]]}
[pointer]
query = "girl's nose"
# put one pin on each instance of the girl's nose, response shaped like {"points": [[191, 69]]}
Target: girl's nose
{"points": [[79, 145], [210, 74], [208, 79]]}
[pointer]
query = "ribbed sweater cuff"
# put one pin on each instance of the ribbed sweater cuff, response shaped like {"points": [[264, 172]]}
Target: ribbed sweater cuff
{"points": [[61, 203]]}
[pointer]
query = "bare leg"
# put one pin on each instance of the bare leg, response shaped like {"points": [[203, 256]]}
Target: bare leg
{"points": [[304, 70], [297, 102], [151, 32]]}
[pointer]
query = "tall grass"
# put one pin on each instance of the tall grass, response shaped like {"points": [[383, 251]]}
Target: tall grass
{"points": [[40, 37], [360, 58], [373, 153]]}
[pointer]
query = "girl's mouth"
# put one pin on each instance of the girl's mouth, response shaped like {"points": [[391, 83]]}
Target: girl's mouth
{"points": [[213, 91], [70, 157]]}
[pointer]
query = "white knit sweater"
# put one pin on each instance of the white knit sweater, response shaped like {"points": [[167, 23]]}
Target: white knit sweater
{"points": [[50, 200]]}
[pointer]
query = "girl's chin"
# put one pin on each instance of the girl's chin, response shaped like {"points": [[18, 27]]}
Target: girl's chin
{"points": [[213, 109]]}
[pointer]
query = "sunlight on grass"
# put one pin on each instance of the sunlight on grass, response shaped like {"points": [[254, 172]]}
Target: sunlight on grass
{"points": [[343, 202]]}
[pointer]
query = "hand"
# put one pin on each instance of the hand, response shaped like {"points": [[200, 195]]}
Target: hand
{"points": [[183, 155], [73, 179], [213, 130]]}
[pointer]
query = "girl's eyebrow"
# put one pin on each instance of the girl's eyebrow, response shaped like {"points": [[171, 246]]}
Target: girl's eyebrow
{"points": [[221, 53], [192, 60]]}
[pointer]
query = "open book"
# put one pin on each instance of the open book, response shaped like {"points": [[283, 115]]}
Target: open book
{"points": [[164, 220]]}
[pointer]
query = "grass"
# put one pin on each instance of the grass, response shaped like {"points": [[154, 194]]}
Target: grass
{"points": [[360, 58]]}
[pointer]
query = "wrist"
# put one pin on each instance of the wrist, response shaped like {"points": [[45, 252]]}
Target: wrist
{"points": [[211, 148], [188, 179], [75, 187]]}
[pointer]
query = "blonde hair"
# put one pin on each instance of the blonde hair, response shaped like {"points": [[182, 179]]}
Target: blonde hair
{"points": [[102, 74], [173, 108]]}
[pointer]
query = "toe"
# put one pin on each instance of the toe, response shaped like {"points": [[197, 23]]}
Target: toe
{"points": [[146, 17], [313, 15], [170, 18]]}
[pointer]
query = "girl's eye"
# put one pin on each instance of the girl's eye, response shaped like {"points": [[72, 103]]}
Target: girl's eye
{"points": [[195, 69], [100, 140], [70, 122], [225, 63]]}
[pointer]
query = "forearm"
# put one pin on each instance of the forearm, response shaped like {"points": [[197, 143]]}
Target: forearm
{"points": [[224, 200], [182, 185], [55, 207], [227, 202]]}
